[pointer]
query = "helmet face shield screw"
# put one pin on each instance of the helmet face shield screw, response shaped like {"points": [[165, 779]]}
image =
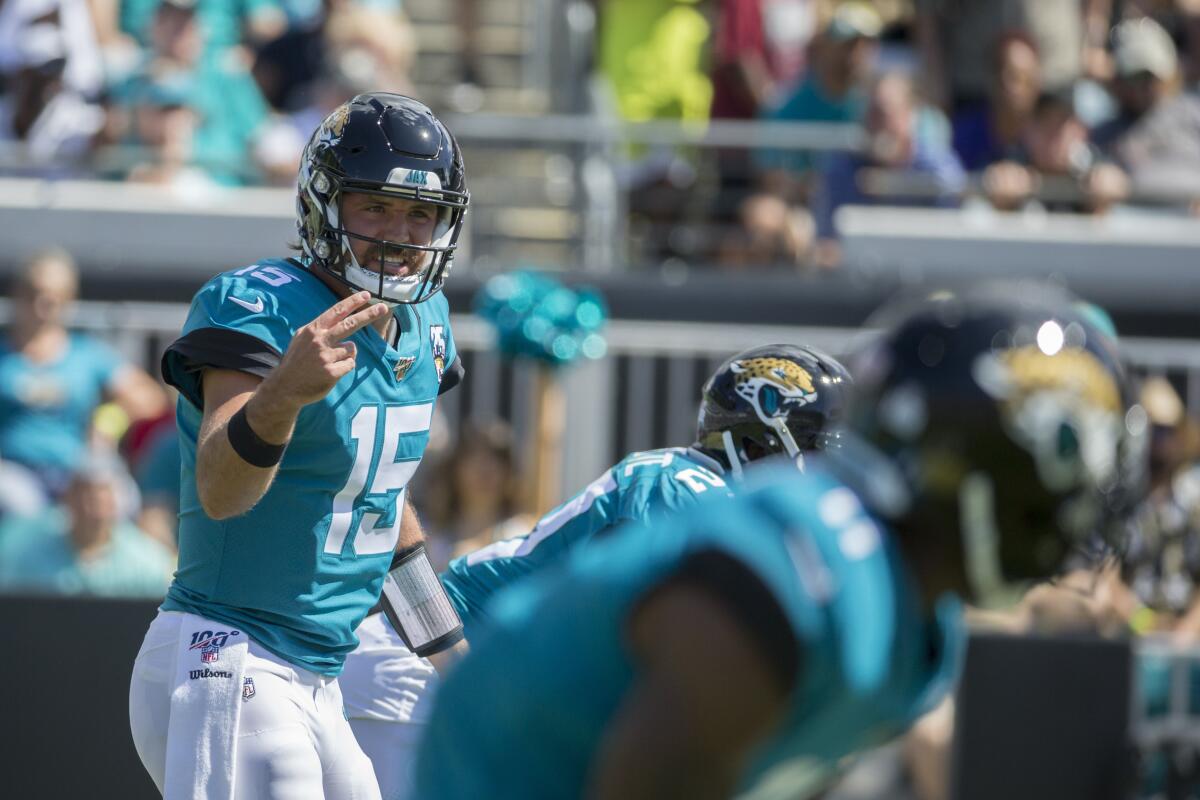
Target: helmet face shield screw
{"points": [[322, 249], [321, 184]]}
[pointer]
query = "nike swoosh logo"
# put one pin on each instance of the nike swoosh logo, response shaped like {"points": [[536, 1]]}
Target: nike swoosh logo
{"points": [[255, 308]]}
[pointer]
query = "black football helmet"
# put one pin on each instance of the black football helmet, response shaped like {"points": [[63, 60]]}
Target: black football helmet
{"points": [[393, 146], [768, 400], [1008, 415]]}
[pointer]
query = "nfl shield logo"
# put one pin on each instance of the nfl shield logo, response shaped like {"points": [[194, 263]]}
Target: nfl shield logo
{"points": [[248, 688], [210, 653]]}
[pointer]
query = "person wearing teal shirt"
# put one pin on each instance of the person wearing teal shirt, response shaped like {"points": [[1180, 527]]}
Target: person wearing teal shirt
{"points": [[307, 386], [225, 23], [52, 379], [768, 400], [813, 614], [84, 548]]}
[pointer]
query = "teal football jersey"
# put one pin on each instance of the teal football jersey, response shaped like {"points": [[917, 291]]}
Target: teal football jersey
{"points": [[639, 486], [555, 664], [300, 570]]}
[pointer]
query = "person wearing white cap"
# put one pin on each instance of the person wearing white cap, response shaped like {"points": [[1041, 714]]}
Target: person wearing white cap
{"points": [[1156, 134]]}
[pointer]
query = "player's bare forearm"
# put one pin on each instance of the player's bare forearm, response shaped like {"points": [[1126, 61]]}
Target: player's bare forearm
{"points": [[411, 532], [444, 661], [227, 484]]}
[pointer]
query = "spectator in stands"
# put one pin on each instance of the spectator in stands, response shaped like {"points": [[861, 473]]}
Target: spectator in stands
{"points": [[832, 90], [1055, 162], [1156, 135], [899, 166], [477, 494], [164, 127], [228, 109], [758, 49], [363, 50], [991, 130], [84, 548], [773, 223], [46, 110], [67, 27], [51, 380], [953, 36], [1180, 19], [372, 40], [225, 26]]}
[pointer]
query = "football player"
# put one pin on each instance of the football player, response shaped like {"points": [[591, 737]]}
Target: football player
{"points": [[777, 399], [812, 614], [306, 390]]}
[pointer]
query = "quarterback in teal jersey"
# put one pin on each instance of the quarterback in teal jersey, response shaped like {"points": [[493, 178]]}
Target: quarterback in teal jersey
{"points": [[812, 614], [306, 391], [388, 691]]}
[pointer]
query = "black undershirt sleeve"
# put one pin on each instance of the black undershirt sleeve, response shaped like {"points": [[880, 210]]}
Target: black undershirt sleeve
{"points": [[219, 348]]}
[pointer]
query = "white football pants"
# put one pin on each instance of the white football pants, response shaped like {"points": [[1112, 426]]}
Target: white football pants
{"points": [[293, 741], [389, 693]]}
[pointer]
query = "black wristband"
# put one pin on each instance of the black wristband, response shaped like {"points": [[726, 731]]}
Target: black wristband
{"points": [[249, 445]]}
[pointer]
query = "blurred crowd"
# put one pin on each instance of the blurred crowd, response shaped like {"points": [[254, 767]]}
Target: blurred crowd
{"points": [[190, 93], [1084, 106], [90, 463]]}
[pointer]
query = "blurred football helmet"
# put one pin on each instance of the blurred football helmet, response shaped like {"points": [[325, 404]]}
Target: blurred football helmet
{"points": [[392, 146], [1009, 418], [773, 399]]}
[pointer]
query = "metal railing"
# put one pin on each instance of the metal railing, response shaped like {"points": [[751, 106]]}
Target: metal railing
{"points": [[642, 395]]}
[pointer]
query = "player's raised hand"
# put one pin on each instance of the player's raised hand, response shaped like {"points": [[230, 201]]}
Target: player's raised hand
{"points": [[319, 353]]}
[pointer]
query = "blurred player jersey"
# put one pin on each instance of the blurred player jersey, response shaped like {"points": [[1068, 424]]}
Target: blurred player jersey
{"points": [[866, 660], [300, 570], [638, 487]]}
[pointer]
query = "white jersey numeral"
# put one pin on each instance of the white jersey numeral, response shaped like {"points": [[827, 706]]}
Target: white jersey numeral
{"points": [[272, 275], [390, 478], [699, 479]]}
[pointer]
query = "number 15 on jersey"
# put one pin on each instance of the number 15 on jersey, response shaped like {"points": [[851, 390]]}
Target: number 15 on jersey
{"points": [[380, 467]]}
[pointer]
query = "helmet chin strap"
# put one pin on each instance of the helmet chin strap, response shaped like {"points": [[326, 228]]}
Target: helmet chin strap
{"points": [[981, 543], [735, 463], [785, 436]]}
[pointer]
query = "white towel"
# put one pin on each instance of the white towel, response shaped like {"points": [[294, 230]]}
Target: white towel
{"points": [[206, 701]]}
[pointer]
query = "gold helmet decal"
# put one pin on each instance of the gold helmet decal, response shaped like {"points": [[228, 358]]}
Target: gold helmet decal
{"points": [[1071, 369], [336, 122], [1066, 407], [791, 382]]}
